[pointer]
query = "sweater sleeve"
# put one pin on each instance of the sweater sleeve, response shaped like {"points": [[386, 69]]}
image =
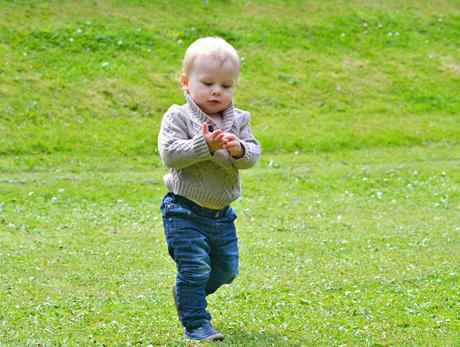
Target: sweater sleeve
{"points": [[250, 144], [176, 149]]}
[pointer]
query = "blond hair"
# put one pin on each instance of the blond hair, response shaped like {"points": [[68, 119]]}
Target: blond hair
{"points": [[214, 47]]}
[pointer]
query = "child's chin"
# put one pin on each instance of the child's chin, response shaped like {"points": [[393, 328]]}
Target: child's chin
{"points": [[213, 110]]}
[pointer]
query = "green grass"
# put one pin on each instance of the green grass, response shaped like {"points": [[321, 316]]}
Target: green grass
{"points": [[348, 226]]}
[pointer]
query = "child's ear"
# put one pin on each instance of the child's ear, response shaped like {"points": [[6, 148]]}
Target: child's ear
{"points": [[184, 81]]}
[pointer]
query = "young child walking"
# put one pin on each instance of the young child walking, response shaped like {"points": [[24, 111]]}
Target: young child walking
{"points": [[204, 143]]}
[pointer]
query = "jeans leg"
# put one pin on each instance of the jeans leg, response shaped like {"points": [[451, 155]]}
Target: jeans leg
{"points": [[193, 267], [224, 257]]}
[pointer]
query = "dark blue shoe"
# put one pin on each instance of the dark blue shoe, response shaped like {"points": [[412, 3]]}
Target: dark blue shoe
{"points": [[206, 332]]}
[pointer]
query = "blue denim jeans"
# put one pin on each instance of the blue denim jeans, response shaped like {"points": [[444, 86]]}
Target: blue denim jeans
{"points": [[204, 245]]}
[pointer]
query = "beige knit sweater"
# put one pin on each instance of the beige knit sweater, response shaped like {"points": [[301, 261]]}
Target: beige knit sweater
{"points": [[210, 180]]}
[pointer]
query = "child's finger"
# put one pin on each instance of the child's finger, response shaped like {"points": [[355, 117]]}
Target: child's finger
{"points": [[216, 132], [205, 128], [231, 144], [230, 137], [219, 137]]}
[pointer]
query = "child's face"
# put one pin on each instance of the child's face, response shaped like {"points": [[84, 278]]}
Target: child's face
{"points": [[211, 83]]}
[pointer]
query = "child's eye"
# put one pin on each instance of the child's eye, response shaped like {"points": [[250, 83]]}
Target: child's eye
{"points": [[226, 87], [207, 84]]}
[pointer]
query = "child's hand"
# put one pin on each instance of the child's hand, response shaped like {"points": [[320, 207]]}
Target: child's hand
{"points": [[214, 139], [232, 144]]}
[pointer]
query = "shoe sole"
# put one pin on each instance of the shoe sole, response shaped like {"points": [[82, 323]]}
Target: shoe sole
{"points": [[213, 337]]}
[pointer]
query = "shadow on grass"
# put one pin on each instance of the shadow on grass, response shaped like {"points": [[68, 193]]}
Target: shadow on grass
{"points": [[239, 337]]}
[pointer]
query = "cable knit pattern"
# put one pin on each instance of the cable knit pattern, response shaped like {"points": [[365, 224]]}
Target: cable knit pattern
{"points": [[211, 180]]}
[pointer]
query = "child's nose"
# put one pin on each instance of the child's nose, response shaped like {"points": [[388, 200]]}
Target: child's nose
{"points": [[216, 91]]}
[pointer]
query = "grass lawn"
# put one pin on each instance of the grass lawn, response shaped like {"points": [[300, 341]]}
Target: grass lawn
{"points": [[348, 226]]}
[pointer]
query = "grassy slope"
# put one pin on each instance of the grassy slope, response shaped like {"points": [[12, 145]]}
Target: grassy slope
{"points": [[334, 72], [354, 240]]}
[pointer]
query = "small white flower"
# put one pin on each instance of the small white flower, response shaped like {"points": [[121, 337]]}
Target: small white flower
{"points": [[339, 217], [78, 31], [365, 179], [342, 34], [61, 190], [379, 194], [439, 20], [179, 42], [347, 293], [71, 39], [54, 199], [31, 193], [105, 64], [390, 34]]}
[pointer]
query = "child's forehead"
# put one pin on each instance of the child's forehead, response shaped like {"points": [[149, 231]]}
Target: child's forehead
{"points": [[213, 65]]}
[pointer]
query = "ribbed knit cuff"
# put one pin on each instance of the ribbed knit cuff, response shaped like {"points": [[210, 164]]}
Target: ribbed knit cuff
{"points": [[200, 146], [249, 158]]}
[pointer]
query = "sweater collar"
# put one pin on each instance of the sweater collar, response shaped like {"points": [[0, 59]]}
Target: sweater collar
{"points": [[227, 114]]}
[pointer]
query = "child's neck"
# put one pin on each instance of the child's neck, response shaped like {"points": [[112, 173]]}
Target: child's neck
{"points": [[218, 118], [215, 115]]}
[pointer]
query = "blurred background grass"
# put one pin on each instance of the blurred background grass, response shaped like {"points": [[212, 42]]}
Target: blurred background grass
{"points": [[94, 78]]}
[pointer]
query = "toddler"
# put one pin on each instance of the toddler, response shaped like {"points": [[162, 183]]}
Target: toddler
{"points": [[204, 143]]}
